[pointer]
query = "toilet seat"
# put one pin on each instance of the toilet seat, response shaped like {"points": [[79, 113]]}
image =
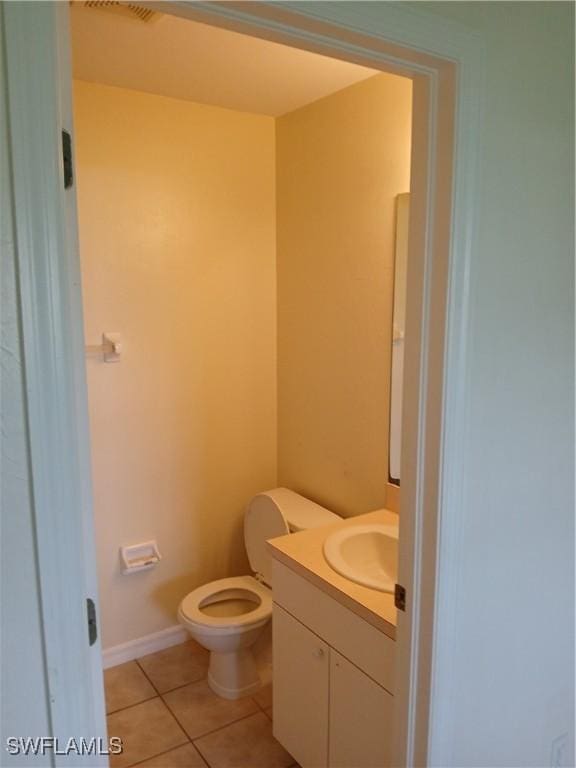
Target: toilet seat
{"points": [[190, 610]]}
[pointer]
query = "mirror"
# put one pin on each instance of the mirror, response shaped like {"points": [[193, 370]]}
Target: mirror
{"points": [[398, 325]]}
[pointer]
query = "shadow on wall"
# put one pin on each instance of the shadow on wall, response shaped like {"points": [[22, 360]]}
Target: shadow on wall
{"points": [[229, 560]]}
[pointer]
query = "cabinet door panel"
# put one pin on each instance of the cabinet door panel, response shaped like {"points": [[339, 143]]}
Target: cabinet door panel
{"points": [[361, 714], [367, 647], [301, 670]]}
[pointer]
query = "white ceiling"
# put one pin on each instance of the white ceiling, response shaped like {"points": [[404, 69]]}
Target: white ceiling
{"points": [[187, 60]]}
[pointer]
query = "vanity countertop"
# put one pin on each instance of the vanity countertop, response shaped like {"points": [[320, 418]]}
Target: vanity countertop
{"points": [[302, 552]]}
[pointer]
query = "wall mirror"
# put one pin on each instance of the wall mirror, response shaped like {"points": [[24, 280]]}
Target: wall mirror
{"points": [[398, 324]]}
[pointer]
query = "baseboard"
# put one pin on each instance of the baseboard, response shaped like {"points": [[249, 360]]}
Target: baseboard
{"points": [[141, 646]]}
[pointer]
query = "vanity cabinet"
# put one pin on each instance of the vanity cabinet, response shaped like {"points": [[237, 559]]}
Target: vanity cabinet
{"points": [[301, 685], [333, 679], [361, 712]]}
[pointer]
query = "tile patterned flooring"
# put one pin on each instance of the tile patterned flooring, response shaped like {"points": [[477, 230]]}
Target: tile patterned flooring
{"points": [[167, 716]]}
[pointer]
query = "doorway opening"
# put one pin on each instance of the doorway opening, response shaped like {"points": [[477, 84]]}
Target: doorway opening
{"points": [[237, 205]]}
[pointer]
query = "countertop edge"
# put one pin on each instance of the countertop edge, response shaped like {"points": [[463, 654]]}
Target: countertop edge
{"points": [[341, 597]]}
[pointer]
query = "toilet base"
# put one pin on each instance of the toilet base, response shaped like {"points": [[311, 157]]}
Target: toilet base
{"points": [[233, 675]]}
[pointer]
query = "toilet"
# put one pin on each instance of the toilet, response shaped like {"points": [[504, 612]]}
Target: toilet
{"points": [[228, 616]]}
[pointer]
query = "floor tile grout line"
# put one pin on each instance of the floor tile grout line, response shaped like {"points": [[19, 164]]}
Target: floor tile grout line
{"points": [[221, 727], [263, 708], [160, 693], [208, 733], [259, 709], [165, 752], [160, 696], [141, 668], [188, 740], [176, 719], [129, 706], [292, 765], [183, 685], [257, 703], [169, 708], [199, 680]]}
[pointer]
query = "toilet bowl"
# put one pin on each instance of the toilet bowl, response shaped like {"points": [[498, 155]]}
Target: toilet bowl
{"points": [[227, 616]]}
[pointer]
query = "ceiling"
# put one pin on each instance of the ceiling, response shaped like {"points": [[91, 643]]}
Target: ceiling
{"points": [[187, 60]]}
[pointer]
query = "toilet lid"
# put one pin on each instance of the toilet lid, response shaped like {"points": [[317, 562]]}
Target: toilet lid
{"points": [[263, 520]]}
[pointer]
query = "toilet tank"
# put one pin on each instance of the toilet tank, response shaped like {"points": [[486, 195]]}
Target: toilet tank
{"points": [[275, 513], [300, 513]]}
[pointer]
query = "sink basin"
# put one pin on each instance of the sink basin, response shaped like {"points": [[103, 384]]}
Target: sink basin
{"points": [[365, 554]]}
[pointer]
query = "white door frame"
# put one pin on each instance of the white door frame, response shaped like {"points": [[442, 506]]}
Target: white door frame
{"points": [[446, 63], [36, 41]]}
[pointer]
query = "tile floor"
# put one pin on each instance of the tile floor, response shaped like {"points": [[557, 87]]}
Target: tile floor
{"points": [[164, 711]]}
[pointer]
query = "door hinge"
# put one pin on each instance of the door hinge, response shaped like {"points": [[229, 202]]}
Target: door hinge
{"points": [[400, 597], [92, 623], [67, 159]]}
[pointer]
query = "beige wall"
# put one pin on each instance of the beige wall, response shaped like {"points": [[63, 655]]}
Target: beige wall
{"points": [[177, 225], [177, 207], [340, 164]]}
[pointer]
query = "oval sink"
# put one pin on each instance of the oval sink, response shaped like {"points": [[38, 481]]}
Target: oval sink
{"points": [[365, 554]]}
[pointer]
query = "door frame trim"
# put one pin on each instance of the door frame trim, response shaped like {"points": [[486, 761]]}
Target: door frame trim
{"points": [[446, 62], [36, 44]]}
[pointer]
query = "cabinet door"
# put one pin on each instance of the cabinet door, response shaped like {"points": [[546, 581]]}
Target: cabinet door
{"points": [[361, 713], [301, 669]]}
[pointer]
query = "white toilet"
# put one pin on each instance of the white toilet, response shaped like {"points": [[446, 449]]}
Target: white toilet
{"points": [[228, 616]]}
